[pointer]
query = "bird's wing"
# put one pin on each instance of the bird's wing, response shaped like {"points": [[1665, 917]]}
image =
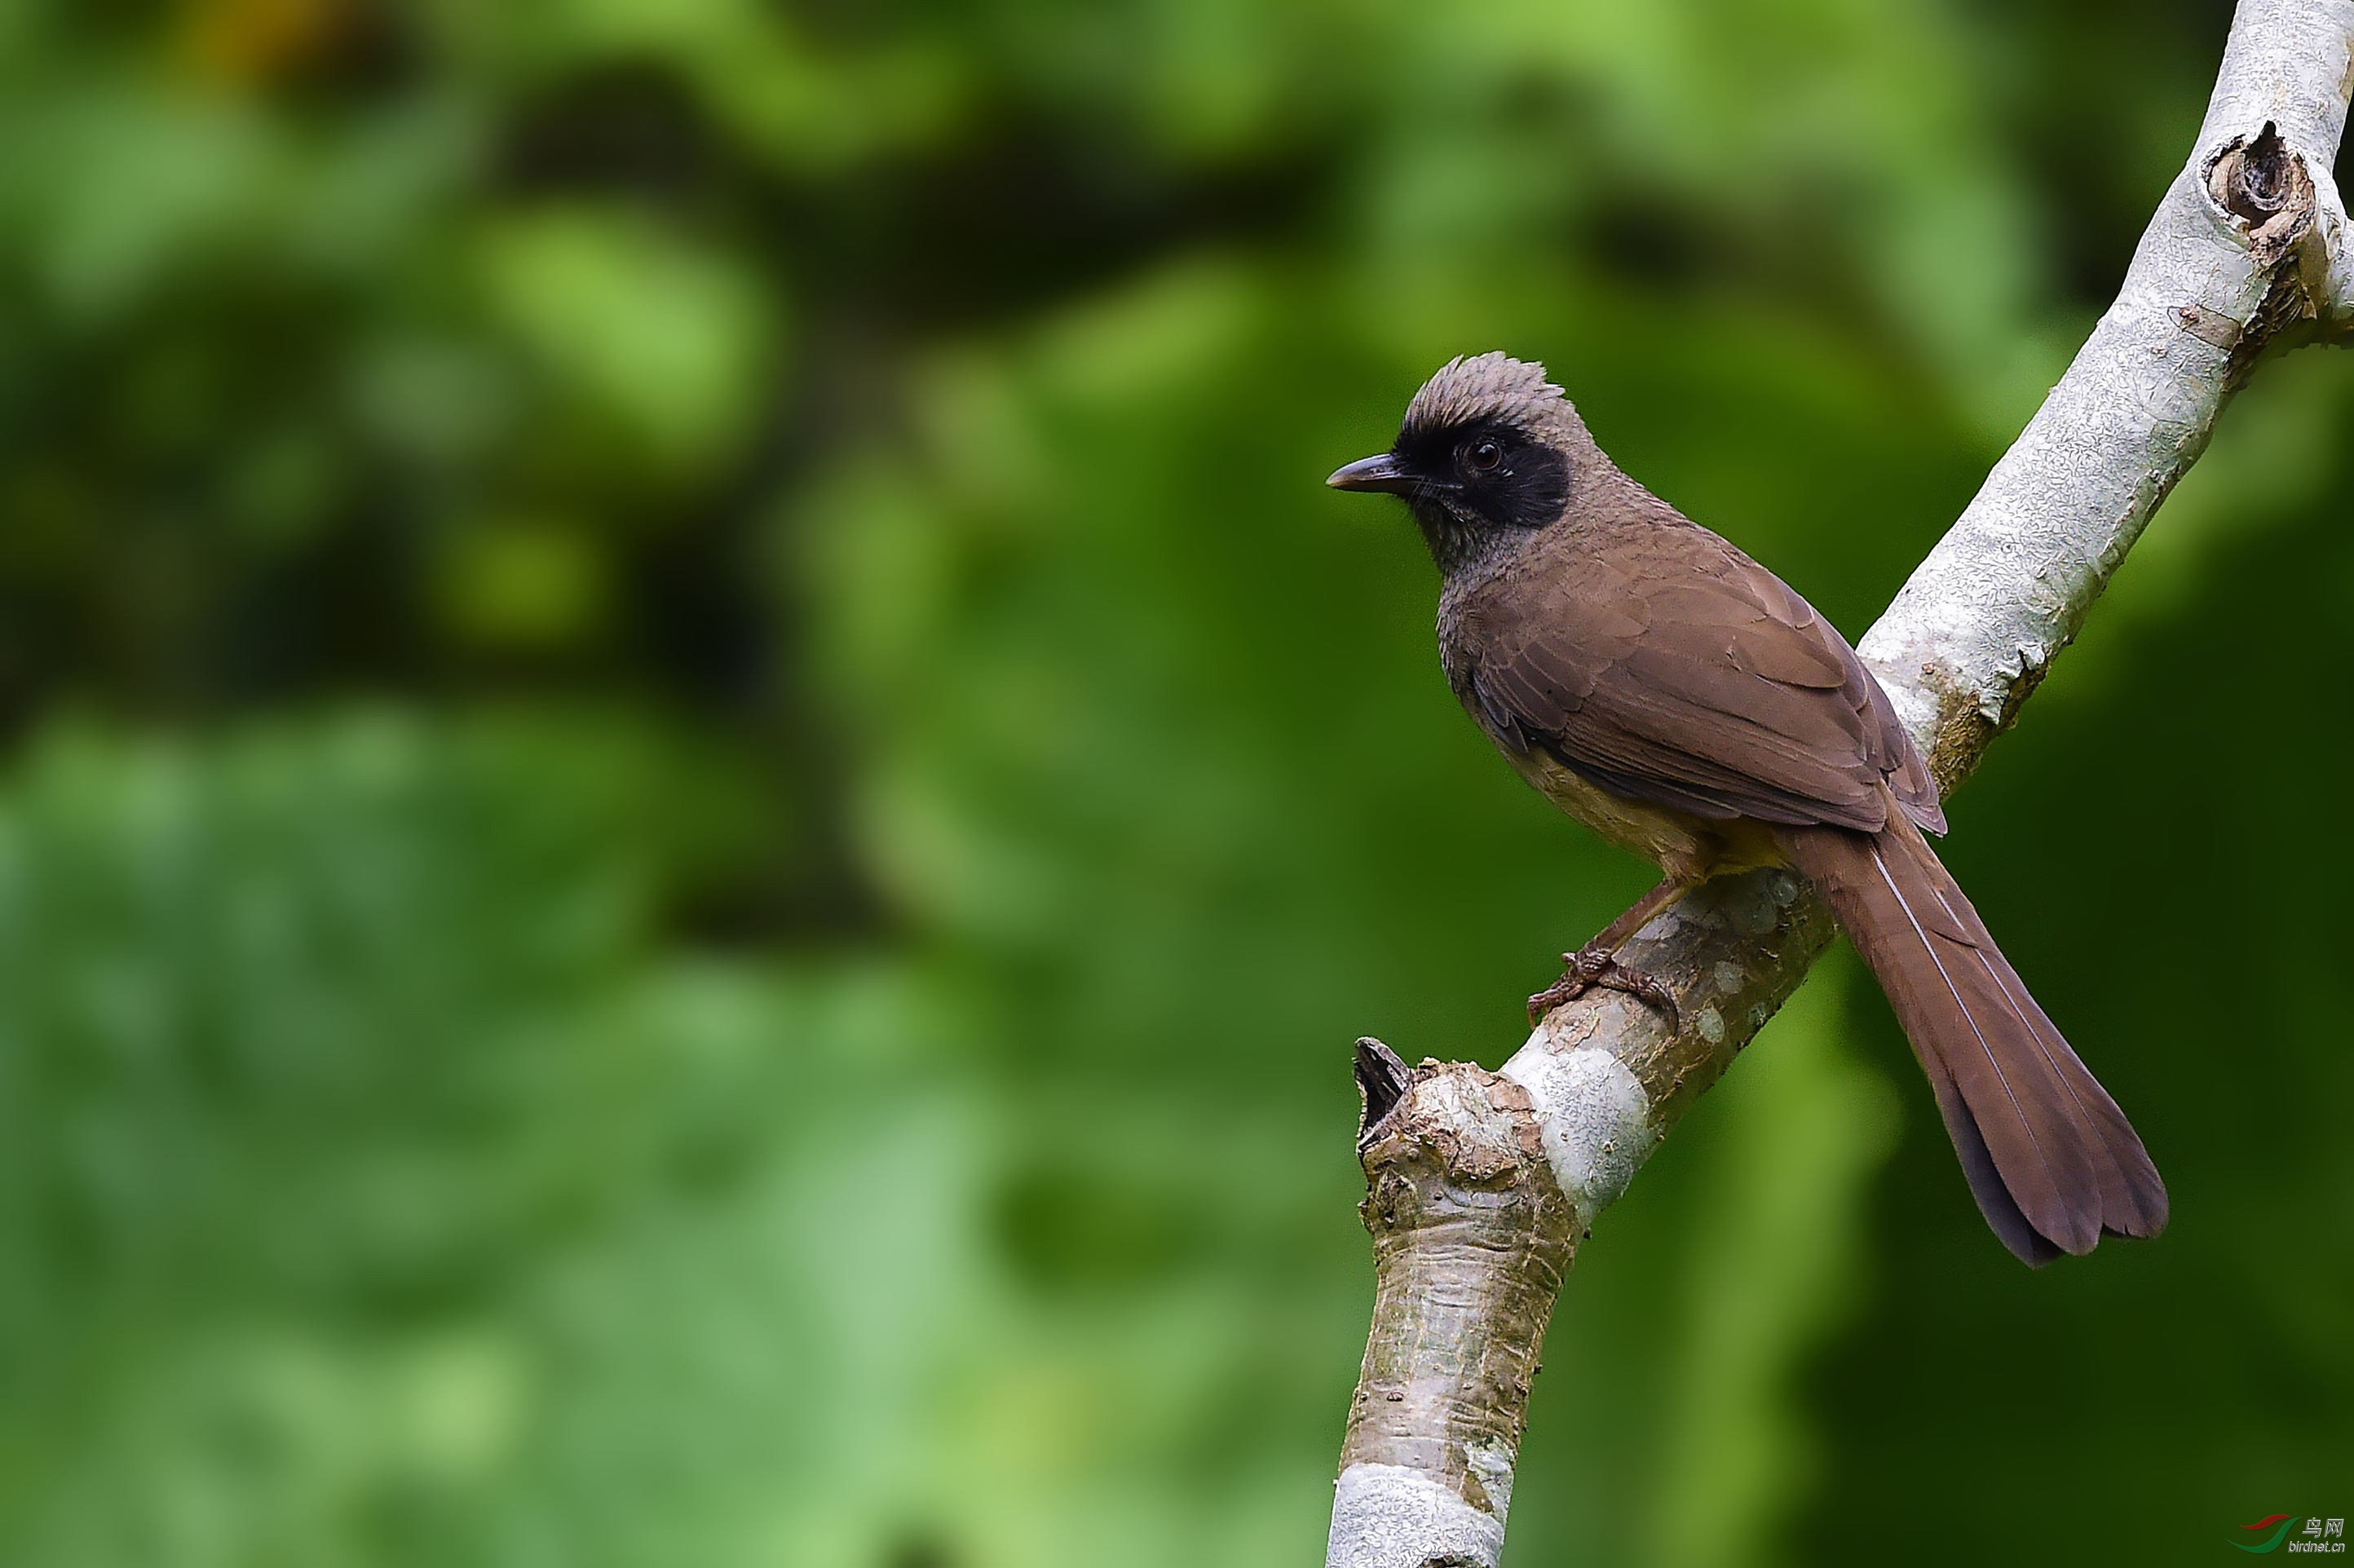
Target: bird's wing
{"points": [[1674, 669]]}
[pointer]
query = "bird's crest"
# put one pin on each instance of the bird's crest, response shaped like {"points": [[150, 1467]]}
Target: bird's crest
{"points": [[1467, 390]]}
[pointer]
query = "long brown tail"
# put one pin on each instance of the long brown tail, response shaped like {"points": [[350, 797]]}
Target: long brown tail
{"points": [[2051, 1160]]}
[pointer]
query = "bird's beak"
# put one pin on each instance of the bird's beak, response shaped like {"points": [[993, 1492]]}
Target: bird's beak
{"points": [[1382, 472]]}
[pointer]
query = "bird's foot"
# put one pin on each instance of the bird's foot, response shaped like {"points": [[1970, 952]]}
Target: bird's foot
{"points": [[1590, 967]]}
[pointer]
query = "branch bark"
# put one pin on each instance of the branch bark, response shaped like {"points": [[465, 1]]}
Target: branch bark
{"points": [[1479, 1184]]}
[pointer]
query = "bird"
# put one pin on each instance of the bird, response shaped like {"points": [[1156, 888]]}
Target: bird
{"points": [[1681, 701]]}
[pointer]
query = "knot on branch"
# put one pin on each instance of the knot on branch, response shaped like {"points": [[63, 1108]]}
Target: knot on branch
{"points": [[2266, 192], [1441, 1128], [2261, 187], [2266, 187], [2261, 190]]}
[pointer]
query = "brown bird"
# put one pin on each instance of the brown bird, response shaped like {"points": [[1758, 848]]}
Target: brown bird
{"points": [[1686, 704]]}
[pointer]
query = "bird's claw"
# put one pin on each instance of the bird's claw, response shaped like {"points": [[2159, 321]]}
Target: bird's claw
{"points": [[1590, 967]]}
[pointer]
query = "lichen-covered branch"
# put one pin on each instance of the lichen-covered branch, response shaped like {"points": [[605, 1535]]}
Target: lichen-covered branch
{"points": [[1480, 1184]]}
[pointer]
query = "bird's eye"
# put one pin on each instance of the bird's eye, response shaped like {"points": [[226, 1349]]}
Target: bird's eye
{"points": [[1483, 455]]}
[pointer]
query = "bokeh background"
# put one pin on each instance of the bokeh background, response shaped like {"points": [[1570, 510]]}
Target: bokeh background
{"points": [[698, 795]]}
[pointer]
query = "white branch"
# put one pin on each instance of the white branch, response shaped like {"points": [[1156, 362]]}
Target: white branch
{"points": [[1480, 1184], [1973, 629]]}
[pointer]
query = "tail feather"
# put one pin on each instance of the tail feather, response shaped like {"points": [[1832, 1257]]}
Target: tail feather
{"points": [[2132, 1197], [2051, 1159], [2003, 1214]]}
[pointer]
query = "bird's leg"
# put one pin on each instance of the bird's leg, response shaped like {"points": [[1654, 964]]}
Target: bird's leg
{"points": [[1597, 963]]}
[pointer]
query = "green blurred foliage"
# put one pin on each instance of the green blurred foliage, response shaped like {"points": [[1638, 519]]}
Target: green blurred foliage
{"points": [[700, 795]]}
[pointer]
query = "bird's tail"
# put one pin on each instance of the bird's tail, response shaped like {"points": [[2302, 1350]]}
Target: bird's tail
{"points": [[2051, 1159]]}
